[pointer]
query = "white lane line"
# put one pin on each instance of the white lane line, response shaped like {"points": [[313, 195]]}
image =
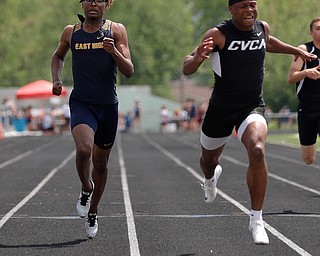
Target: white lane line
{"points": [[173, 216], [194, 216], [272, 175], [292, 183], [291, 160], [35, 190], [133, 240], [21, 156], [16, 159], [276, 177], [272, 230]]}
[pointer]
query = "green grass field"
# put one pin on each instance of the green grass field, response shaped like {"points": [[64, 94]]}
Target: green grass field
{"points": [[286, 138]]}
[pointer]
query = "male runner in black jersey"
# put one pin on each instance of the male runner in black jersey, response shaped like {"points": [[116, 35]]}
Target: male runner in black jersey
{"points": [[238, 48], [306, 76], [99, 47]]}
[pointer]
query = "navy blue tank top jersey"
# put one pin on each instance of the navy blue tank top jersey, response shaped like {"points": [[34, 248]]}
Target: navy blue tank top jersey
{"points": [[94, 70], [308, 90], [239, 67]]}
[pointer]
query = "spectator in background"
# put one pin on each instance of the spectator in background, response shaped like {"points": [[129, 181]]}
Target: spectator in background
{"points": [[192, 112], [164, 118], [184, 116], [176, 118], [121, 122], [284, 117], [201, 110], [128, 121], [12, 106], [137, 112], [66, 115], [29, 118], [47, 123]]}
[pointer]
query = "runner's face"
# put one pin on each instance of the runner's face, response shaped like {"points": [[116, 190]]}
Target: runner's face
{"points": [[315, 33], [244, 14], [93, 10]]}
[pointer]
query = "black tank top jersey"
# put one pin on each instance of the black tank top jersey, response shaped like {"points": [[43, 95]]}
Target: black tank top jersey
{"points": [[94, 70], [308, 90], [239, 67]]}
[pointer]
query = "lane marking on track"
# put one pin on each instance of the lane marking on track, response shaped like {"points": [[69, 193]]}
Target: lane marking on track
{"points": [[173, 216], [272, 230], [24, 155], [276, 177], [136, 215], [272, 175], [133, 240], [291, 160], [35, 190]]}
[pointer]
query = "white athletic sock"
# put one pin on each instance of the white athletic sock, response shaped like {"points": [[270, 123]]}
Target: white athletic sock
{"points": [[256, 215]]}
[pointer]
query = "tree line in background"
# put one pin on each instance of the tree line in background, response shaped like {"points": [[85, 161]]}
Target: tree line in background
{"points": [[160, 34]]}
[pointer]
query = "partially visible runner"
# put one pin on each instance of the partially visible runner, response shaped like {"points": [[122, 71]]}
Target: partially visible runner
{"points": [[99, 47], [238, 47], [306, 76]]}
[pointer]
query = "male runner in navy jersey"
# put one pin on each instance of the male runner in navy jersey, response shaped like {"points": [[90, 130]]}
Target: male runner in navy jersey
{"points": [[306, 76], [99, 47], [238, 48]]}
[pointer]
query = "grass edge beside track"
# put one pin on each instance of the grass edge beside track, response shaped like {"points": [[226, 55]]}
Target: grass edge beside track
{"points": [[287, 139]]}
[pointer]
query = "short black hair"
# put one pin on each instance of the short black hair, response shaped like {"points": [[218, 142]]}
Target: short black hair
{"points": [[231, 2]]}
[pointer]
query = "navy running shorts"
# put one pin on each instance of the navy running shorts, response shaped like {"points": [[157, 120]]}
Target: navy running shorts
{"points": [[308, 127], [102, 118]]}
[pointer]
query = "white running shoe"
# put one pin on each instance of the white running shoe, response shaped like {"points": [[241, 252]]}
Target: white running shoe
{"points": [[83, 204], [258, 232], [210, 186], [91, 225]]}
